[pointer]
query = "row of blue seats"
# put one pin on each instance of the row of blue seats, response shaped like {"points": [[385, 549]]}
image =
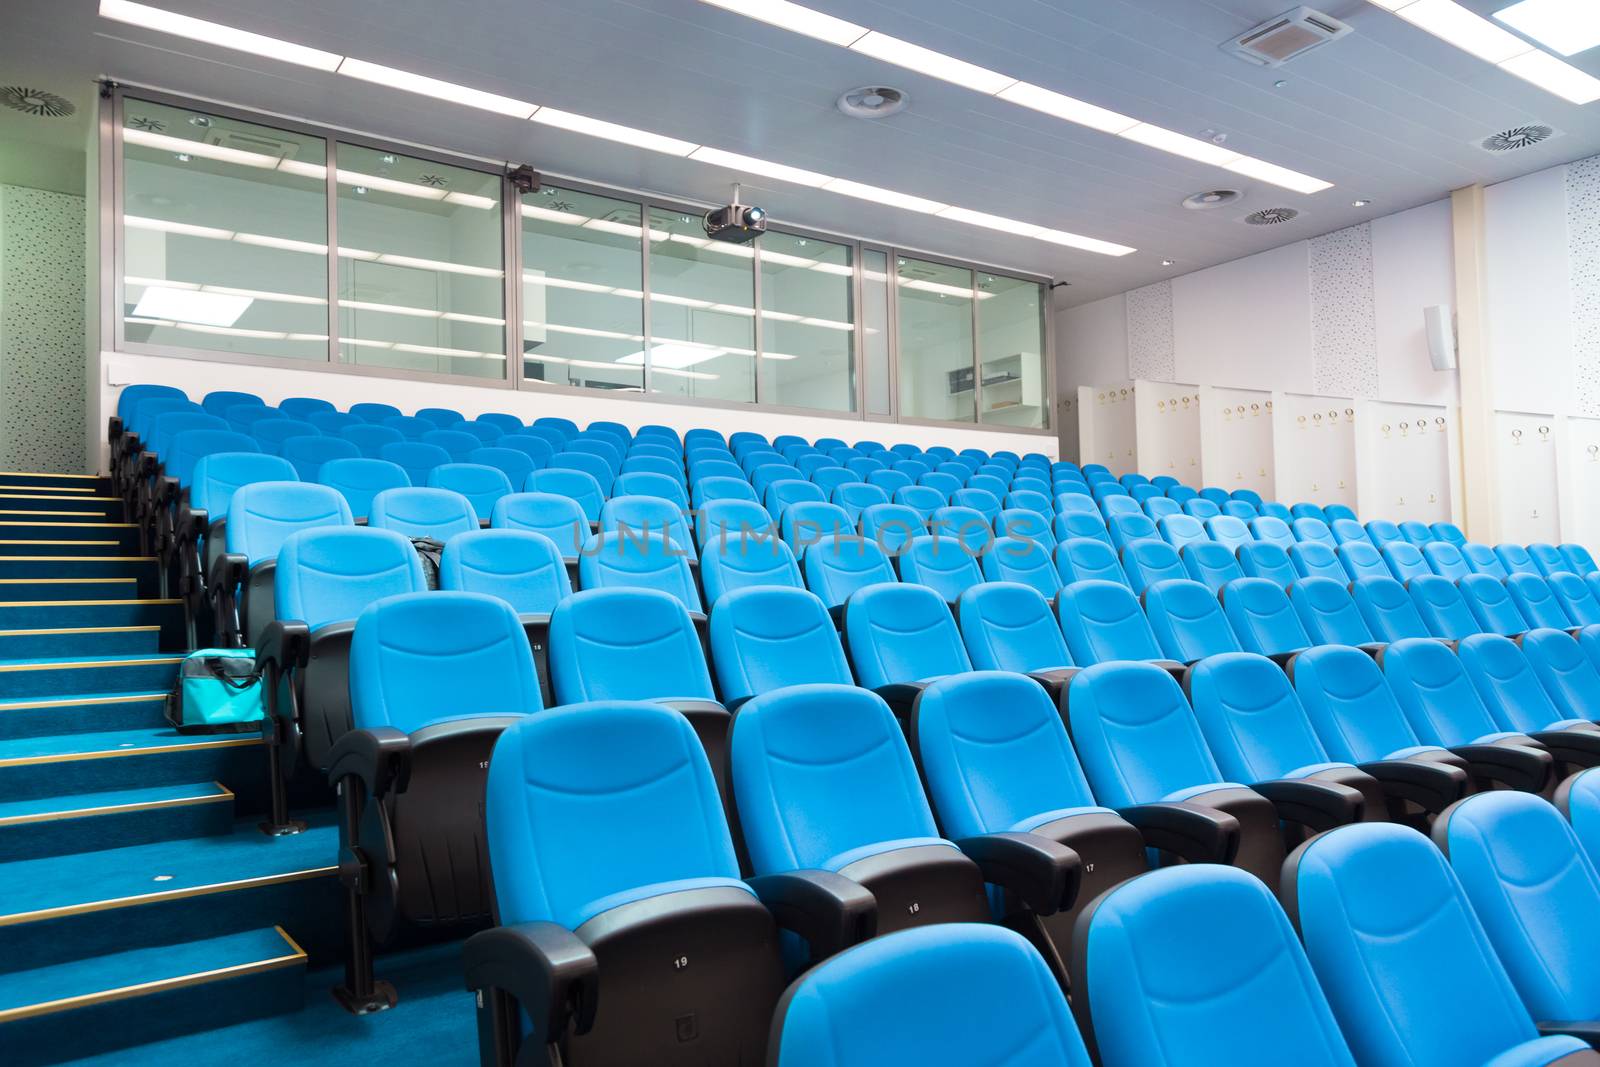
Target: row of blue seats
{"points": [[828, 801]]}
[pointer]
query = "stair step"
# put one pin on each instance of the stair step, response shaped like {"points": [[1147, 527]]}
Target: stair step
{"points": [[43, 549], [147, 994], [80, 641], [75, 907], [83, 507], [57, 613], [124, 534], [145, 570], [104, 674], [37, 590], [61, 765], [95, 714], [80, 482], [88, 822]]}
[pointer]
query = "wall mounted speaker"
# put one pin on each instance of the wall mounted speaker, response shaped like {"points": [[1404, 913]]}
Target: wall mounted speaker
{"points": [[1438, 322]]}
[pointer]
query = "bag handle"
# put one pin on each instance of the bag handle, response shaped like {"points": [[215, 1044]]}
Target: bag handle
{"points": [[239, 684]]}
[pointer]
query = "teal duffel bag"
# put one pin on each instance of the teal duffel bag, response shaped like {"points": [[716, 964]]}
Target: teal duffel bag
{"points": [[219, 691]]}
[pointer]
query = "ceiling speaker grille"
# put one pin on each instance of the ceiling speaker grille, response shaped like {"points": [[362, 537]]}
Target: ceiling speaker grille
{"points": [[873, 102], [1272, 216], [35, 102], [1517, 138]]}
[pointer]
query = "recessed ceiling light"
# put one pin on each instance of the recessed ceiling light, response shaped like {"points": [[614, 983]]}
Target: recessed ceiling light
{"points": [[1566, 27], [1554, 76], [187, 305], [988, 221], [1167, 262], [1360, 203], [153, 18], [797, 19], [610, 131], [733, 161], [934, 64], [439, 90]]}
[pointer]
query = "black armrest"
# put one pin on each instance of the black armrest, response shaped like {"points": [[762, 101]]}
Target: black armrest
{"points": [[1044, 873], [232, 569], [1431, 786], [1583, 1030], [192, 522], [1190, 831], [551, 973], [114, 429], [380, 757], [1579, 748], [1514, 766], [148, 464], [284, 645], [830, 911], [1316, 805], [901, 697]]}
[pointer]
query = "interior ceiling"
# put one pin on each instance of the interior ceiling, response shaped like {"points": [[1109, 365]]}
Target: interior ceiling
{"points": [[1387, 113]]}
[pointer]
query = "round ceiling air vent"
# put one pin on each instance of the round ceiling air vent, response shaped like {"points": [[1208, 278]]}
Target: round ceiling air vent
{"points": [[35, 102], [873, 102], [1272, 216], [1516, 138], [1211, 199]]}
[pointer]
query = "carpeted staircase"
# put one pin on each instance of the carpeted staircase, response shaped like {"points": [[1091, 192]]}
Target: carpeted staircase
{"points": [[138, 901]]}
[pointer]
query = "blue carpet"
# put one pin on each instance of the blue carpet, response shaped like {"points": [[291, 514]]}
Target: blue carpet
{"points": [[88, 822], [82, 642], [100, 674], [434, 1023], [36, 590], [82, 713], [167, 614]]}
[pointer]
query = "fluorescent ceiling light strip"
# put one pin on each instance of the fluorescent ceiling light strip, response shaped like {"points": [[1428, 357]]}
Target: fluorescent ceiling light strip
{"points": [[418, 263], [610, 131], [990, 222], [1261, 170], [131, 280], [191, 306], [1566, 27], [1554, 76], [232, 331], [165, 143], [750, 164], [154, 18], [434, 87], [796, 19], [283, 243], [887, 197], [434, 350], [390, 309], [993, 83], [261, 294], [187, 229], [935, 64]]}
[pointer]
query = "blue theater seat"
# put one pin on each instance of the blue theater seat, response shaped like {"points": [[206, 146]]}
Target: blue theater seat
{"points": [[807, 522], [1520, 701], [516, 464], [303, 407], [1548, 559], [1567, 671], [1187, 620], [410, 427], [1579, 561], [1007, 626], [1314, 559], [1537, 601], [1263, 559], [1442, 608], [1524, 872], [483, 486], [1184, 494], [1347, 530], [1076, 525], [560, 518], [645, 459], [198, 533], [765, 638], [1127, 528], [1140, 744], [261, 517], [1198, 966], [309, 454], [823, 781], [1267, 528], [1210, 564], [603, 447], [731, 521], [1181, 530], [1328, 613], [609, 561], [1406, 966], [1027, 525], [373, 412], [900, 637], [414, 457], [1484, 560], [1416, 533], [606, 834], [1576, 598], [892, 526], [441, 417], [578, 485], [1404, 560], [1215, 495], [1262, 617], [1244, 511], [740, 563], [890, 481], [1446, 560], [1449, 533], [1361, 560], [1227, 530], [647, 518], [1034, 500], [359, 480], [856, 497], [434, 679], [1068, 503], [642, 483], [966, 526], [980, 981], [521, 567], [1119, 504], [1382, 532], [1161, 507], [458, 443], [372, 439], [1102, 622], [1012, 559], [1444, 709], [706, 490], [1516, 560], [219, 401], [1338, 511], [1491, 605], [942, 483], [838, 565], [596, 467], [941, 563], [1388, 609], [1307, 510], [1082, 559], [779, 494], [423, 513]]}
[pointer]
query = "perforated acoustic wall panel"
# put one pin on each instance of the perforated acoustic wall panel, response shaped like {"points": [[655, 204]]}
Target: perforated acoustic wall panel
{"points": [[1151, 340], [1583, 248], [1344, 347]]}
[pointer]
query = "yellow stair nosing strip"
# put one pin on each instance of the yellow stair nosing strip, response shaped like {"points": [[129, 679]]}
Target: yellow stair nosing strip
{"points": [[65, 910], [119, 753], [80, 630], [47, 474], [82, 603], [162, 985], [56, 499], [223, 794], [67, 525], [121, 698], [61, 581], [69, 514], [72, 559], [77, 664]]}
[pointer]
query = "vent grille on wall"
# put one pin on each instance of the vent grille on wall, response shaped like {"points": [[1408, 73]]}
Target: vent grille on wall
{"points": [[1517, 138], [1291, 34], [36, 102], [1272, 216]]}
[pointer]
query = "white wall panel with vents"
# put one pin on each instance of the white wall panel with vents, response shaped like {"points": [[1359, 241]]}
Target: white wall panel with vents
{"points": [[1236, 440], [1167, 430], [1106, 427], [1525, 444], [1405, 462], [1314, 448]]}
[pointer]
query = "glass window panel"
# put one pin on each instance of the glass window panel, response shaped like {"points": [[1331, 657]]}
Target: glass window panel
{"points": [[1011, 351], [702, 312], [225, 236], [421, 282], [875, 328], [807, 327], [935, 340], [582, 299]]}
